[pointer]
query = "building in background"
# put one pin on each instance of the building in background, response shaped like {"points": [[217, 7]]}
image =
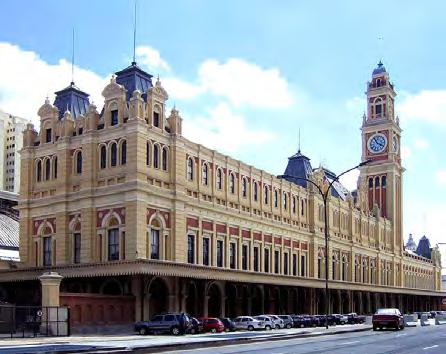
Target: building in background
{"points": [[139, 220], [11, 142]]}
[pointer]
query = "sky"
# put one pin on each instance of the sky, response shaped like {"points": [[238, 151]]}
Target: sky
{"points": [[247, 75]]}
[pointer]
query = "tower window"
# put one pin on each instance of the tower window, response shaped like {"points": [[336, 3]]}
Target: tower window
{"points": [[113, 244], [48, 135], [39, 171], [114, 117], [383, 181], [47, 170], [232, 183], [377, 182], [79, 162], [219, 179], [370, 182], [266, 197], [205, 171], [77, 248], [47, 251], [124, 153], [154, 244], [103, 156], [113, 159], [255, 191], [244, 187], [164, 159], [190, 169], [156, 152], [156, 119]]}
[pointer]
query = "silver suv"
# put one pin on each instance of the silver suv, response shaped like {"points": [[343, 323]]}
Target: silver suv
{"points": [[287, 321], [248, 322], [268, 322], [278, 322]]}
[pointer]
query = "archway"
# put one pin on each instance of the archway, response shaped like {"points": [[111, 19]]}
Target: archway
{"points": [[257, 301], [191, 300], [345, 297], [214, 300], [158, 296], [232, 302]]}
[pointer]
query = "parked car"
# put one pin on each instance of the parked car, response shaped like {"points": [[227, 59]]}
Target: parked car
{"points": [[278, 322], [354, 318], [299, 321], [388, 318], [228, 323], [195, 326], [174, 323], [267, 321], [287, 320], [212, 324], [248, 322], [340, 319]]}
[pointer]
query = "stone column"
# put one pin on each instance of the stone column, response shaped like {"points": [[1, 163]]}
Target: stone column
{"points": [[50, 288]]}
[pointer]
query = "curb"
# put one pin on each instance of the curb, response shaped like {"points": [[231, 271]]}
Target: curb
{"points": [[196, 345]]}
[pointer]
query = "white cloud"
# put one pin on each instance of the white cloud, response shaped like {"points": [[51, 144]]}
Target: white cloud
{"points": [[151, 58], [421, 144], [224, 130], [440, 177], [25, 80], [181, 89], [350, 180], [242, 82], [427, 105]]}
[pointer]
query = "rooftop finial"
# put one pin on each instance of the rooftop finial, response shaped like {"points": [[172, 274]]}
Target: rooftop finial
{"points": [[299, 142], [134, 37], [72, 59], [380, 49]]}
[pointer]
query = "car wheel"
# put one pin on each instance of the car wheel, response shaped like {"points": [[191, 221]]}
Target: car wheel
{"points": [[226, 329], [250, 328], [268, 327], [213, 330], [288, 326], [143, 331], [175, 331], [277, 327], [402, 327], [375, 328], [193, 331], [302, 325]]}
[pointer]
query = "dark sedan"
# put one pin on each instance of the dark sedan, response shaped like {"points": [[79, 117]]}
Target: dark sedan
{"points": [[229, 325], [388, 318]]}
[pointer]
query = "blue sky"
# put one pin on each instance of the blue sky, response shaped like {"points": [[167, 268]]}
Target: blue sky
{"points": [[265, 68]]}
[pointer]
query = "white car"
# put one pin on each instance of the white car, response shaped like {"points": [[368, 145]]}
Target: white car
{"points": [[267, 321], [278, 322], [248, 322]]}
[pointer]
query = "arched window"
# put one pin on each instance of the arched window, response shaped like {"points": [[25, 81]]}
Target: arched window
{"points": [[383, 181], [378, 107], [164, 159], [190, 169], [77, 247], [294, 205], [285, 201], [79, 162], [124, 153], [219, 178], [113, 244], [113, 154], [232, 183], [156, 156], [148, 154], [256, 187], [266, 196], [371, 182], [276, 198], [205, 174], [47, 169], [244, 187], [378, 83], [55, 167], [302, 207], [103, 157], [376, 181], [39, 170]]}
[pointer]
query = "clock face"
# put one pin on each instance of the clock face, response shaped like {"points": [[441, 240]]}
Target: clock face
{"points": [[377, 143], [395, 144]]}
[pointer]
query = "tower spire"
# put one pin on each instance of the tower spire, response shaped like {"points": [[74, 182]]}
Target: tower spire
{"points": [[72, 59], [299, 141], [134, 36]]}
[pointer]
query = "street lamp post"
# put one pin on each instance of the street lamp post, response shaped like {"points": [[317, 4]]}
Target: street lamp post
{"points": [[324, 195]]}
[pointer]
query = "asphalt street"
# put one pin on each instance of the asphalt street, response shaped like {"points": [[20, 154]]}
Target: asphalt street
{"points": [[424, 340]]}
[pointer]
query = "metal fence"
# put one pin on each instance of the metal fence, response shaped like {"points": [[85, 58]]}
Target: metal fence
{"points": [[33, 321]]}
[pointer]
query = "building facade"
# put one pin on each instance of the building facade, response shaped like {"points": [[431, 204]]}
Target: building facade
{"points": [[138, 219], [11, 142]]}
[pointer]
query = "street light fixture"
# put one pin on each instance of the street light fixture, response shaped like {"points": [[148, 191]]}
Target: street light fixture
{"points": [[324, 195]]}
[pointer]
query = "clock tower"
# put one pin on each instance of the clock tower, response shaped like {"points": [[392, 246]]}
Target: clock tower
{"points": [[381, 137]]}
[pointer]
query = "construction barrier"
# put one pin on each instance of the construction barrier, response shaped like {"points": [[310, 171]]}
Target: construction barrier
{"points": [[424, 321], [410, 320], [440, 319]]}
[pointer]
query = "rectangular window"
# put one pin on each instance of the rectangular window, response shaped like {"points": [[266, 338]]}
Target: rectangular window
{"points": [[113, 245], [205, 251], [156, 119], [114, 117], [266, 260], [276, 262], [294, 264], [285, 263], [47, 254], [302, 265], [77, 248], [155, 244], [48, 135], [232, 256], [190, 248], [245, 257], [219, 253], [256, 259]]}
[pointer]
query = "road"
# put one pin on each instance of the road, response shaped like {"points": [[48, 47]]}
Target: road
{"points": [[419, 340]]}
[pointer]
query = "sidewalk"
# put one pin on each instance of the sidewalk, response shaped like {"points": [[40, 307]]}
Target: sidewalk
{"points": [[126, 343]]}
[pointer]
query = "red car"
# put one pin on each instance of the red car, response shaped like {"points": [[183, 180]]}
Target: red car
{"points": [[212, 324], [388, 318]]}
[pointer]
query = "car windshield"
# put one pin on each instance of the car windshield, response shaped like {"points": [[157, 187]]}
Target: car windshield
{"points": [[157, 318], [386, 312]]}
